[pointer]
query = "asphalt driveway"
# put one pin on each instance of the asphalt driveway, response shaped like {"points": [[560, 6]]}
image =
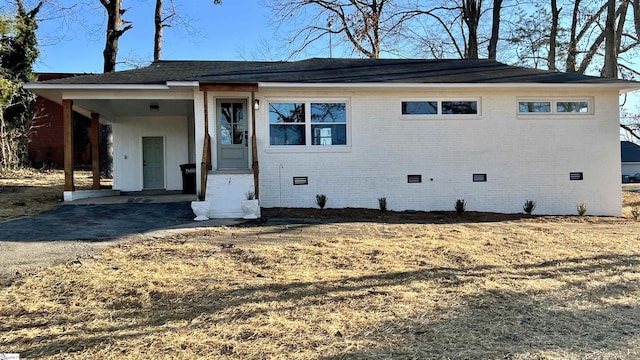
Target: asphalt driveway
{"points": [[96, 222]]}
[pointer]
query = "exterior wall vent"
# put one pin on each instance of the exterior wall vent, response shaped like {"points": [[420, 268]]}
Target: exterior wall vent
{"points": [[414, 179], [479, 177], [576, 176], [300, 180]]}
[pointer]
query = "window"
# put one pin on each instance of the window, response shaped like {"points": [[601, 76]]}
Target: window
{"points": [[557, 107], [308, 123], [440, 107]]}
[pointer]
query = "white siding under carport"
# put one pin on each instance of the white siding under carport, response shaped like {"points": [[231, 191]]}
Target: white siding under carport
{"points": [[127, 149]]}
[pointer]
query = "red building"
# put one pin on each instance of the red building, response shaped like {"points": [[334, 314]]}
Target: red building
{"points": [[46, 143]]}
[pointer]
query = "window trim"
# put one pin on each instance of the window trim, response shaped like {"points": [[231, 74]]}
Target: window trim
{"points": [[308, 133], [554, 100], [440, 115]]}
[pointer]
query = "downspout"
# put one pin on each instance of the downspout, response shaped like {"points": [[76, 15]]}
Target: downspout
{"points": [[254, 147]]}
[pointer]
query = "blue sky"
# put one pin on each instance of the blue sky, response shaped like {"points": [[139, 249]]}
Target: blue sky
{"points": [[233, 30]]}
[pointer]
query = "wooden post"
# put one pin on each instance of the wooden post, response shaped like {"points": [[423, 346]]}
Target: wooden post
{"points": [[95, 150], [254, 147], [67, 119]]}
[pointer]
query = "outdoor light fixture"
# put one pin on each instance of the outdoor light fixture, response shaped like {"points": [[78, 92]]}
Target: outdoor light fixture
{"points": [[154, 107], [256, 105]]}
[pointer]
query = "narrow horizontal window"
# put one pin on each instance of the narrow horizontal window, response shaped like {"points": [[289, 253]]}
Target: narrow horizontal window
{"points": [[460, 107], [419, 108], [300, 180], [561, 106], [576, 176], [414, 179], [479, 177]]}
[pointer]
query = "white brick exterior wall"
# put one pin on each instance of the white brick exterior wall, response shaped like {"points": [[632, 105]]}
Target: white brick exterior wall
{"points": [[524, 158]]}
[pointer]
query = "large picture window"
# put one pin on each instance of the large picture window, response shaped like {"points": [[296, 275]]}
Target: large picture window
{"points": [[440, 107], [312, 123]]}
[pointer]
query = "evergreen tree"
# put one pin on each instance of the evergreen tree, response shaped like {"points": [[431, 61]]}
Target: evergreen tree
{"points": [[18, 52]]}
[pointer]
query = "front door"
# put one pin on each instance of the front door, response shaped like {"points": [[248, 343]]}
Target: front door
{"points": [[232, 144], [153, 162]]}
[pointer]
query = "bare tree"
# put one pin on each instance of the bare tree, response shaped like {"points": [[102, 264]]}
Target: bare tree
{"points": [[116, 27], [365, 25], [164, 17]]}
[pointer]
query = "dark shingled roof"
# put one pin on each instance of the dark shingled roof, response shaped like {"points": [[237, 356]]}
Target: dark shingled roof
{"points": [[630, 151], [317, 70]]}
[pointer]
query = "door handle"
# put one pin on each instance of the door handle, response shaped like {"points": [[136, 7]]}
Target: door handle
{"points": [[144, 163]]}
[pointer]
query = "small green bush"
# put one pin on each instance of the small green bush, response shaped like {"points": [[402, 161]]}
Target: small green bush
{"points": [[529, 206], [382, 204], [321, 200], [461, 206], [635, 212], [582, 208]]}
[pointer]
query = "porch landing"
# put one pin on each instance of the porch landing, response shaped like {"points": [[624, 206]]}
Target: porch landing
{"points": [[225, 192]]}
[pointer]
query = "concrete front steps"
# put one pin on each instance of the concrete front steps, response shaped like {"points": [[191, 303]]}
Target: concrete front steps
{"points": [[225, 192]]}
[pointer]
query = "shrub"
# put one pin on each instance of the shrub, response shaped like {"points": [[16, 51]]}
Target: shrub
{"points": [[382, 204], [582, 208], [321, 200], [460, 206], [529, 206], [250, 195], [635, 212]]}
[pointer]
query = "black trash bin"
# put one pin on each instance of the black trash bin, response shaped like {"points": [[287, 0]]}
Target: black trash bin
{"points": [[188, 178]]}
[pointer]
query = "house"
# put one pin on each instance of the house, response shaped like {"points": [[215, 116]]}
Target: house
{"points": [[421, 133], [630, 154]]}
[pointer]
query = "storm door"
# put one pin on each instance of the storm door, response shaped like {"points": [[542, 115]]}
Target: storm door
{"points": [[153, 162], [233, 135]]}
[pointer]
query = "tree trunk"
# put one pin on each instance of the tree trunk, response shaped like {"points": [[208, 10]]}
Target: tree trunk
{"points": [[115, 28], [471, 11], [553, 36], [573, 41], [157, 39], [610, 68], [495, 29]]}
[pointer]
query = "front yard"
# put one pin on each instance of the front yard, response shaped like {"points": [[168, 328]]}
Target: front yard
{"points": [[516, 288], [501, 290]]}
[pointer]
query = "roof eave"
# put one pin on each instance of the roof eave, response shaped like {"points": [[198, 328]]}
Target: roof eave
{"points": [[622, 87]]}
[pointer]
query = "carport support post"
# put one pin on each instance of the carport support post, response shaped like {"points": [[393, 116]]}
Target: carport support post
{"points": [[67, 120], [95, 150]]}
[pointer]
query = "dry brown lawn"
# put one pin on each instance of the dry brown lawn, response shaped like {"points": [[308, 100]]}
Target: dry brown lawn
{"points": [[28, 191], [526, 288]]}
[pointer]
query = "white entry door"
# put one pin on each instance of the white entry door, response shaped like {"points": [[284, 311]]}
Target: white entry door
{"points": [[153, 162], [233, 135]]}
